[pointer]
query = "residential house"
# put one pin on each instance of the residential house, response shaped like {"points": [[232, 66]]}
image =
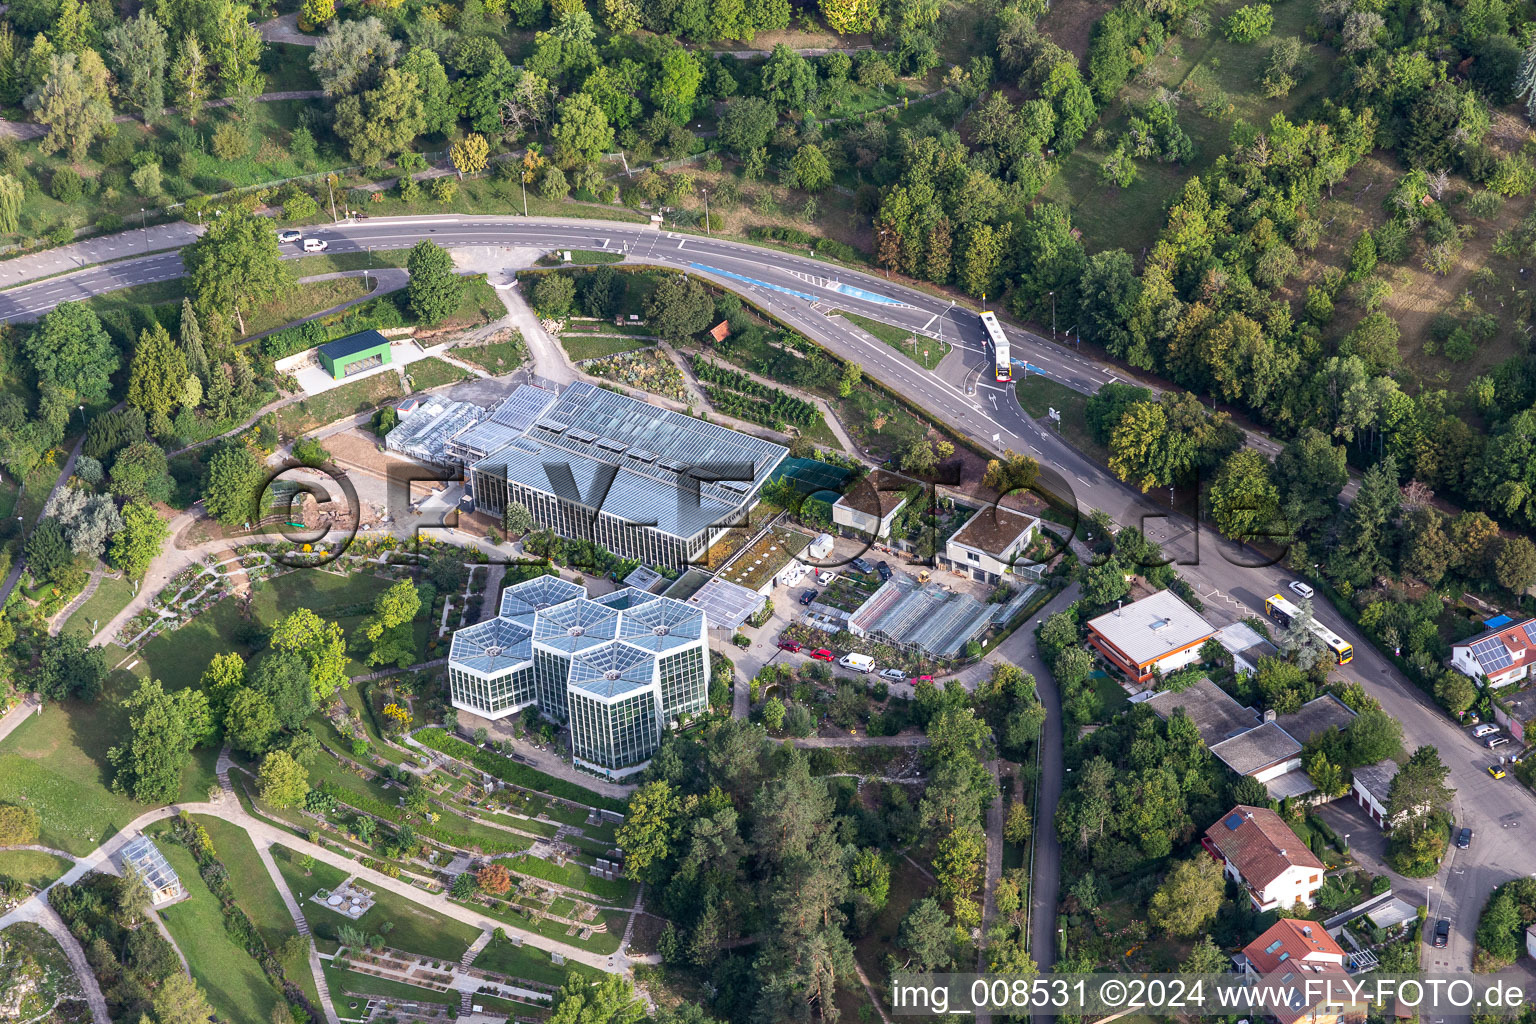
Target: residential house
{"points": [[1288, 955], [1504, 654], [989, 543], [1262, 854], [1158, 633]]}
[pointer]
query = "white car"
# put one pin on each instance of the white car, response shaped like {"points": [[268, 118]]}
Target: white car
{"points": [[315, 245], [825, 578], [1484, 730], [284, 237], [1301, 588]]}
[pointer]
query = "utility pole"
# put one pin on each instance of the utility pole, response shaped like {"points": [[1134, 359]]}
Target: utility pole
{"points": [[330, 191], [706, 212], [524, 179]]}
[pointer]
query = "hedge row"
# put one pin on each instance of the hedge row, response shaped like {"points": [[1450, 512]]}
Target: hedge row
{"points": [[786, 407]]}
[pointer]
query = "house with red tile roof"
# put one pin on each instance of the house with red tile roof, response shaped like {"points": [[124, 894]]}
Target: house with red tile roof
{"points": [[1262, 854], [1505, 654], [1287, 956]]}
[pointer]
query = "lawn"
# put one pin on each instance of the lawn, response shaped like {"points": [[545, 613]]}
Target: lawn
{"points": [[878, 422], [300, 300], [329, 406], [1039, 395], [340, 982], [229, 977], [178, 657], [33, 867], [526, 961], [56, 763], [336, 262], [924, 351], [111, 597], [416, 928], [254, 889], [587, 346], [433, 372], [498, 357]]}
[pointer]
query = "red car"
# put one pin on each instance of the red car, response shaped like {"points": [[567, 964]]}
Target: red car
{"points": [[922, 679], [822, 655], [792, 646]]}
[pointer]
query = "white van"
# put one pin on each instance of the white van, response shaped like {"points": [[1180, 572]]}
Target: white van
{"points": [[857, 662], [1301, 588], [314, 245]]}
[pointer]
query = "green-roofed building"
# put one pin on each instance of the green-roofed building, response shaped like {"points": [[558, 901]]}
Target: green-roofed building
{"points": [[354, 354]]}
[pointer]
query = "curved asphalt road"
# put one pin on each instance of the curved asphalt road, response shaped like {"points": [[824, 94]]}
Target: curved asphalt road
{"points": [[800, 291]]}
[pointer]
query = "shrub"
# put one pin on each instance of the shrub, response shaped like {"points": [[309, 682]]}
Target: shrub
{"points": [[230, 142], [66, 186], [444, 190]]}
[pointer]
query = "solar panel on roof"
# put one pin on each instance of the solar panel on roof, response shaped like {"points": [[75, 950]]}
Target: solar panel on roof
{"points": [[1492, 655], [1234, 822], [1530, 632]]}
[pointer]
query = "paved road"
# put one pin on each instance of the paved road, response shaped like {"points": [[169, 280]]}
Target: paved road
{"points": [[800, 291]]}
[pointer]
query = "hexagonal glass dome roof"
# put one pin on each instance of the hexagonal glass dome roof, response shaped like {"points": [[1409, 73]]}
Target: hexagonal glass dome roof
{"points": [[661, 625], [612, 669], [521, 600], [492, 646], [576, 625]]}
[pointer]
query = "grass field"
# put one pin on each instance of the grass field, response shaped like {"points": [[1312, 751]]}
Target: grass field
{"points": [[1038, 395], [341, 982], [300, 300], [178, 657], [497, 358], [528, 962], [586, 346], [56, 763], [925, 352], [229, 977], [32, 866], [433, 372], [328, 406], [111, 597], [416, 928], [335, 262]]}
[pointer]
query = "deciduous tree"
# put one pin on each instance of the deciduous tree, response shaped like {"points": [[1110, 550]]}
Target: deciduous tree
{"points": [[136, 49], [149, 768], [74, 102], [1189, 897], [283, 781], [434, 288]]}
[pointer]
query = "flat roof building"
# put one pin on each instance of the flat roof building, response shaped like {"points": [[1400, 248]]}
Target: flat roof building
{"points": [[989, 543], [646, 483], [353, 354], [1216, 714], [619, 669], [870, 506], [1159, 632]]}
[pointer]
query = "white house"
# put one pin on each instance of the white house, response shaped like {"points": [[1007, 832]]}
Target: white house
{"points": [[989, 543], [1262, 854], [1505, 655], [1158, 632], [871, 506], [1372, 786]]}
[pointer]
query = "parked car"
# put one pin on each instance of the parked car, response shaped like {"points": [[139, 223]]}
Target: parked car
{"points": [[315, 245], [1486, 728], [1301, 588], [1442, 933], [825, 578], [289, 235], [822, 654], [807, 596], [1496, 770], [921, 679], [893, 673], [1464, 839], [862, 566], [1495, 740], [792, 646], [884, 569]]}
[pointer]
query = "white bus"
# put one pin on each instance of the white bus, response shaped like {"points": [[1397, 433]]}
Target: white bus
{"points": [[1283, 612], [999, 341]]}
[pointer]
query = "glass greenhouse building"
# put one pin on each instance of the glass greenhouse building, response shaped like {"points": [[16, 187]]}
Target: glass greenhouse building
{"points": [[618, 668]]}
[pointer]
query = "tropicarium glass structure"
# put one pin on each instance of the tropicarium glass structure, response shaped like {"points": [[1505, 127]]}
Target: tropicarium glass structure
{"points": [[618, 669]]}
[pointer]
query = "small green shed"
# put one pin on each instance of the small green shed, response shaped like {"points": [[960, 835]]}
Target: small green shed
{"points": [[354, 353]]}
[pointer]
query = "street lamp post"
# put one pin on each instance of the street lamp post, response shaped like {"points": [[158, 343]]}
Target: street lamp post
{"points": [[1053, 316], [144, 226], [524, 179], [82, 417], [706, 212]]}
